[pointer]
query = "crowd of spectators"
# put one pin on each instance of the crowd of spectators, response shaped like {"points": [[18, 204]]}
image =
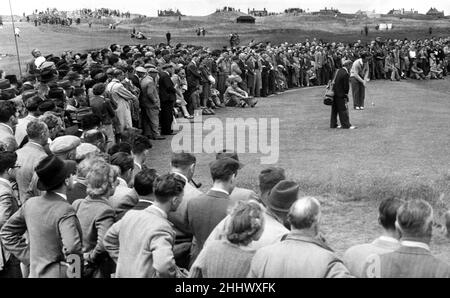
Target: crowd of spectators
{"points": [[75, 132]]}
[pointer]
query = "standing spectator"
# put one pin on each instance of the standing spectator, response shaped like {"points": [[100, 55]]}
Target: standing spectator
{"points": [[142, 242], [168, 36], [29, 156], [8, 120], [359, 75], [206, 211], [193, 78], [355, 257], [51, 240], [283, 260], [104, 109], [413, 259], [168, 97], [140, 148], [32, 105], [9, 204], [96, 216], [340, 102], [231, 258]]}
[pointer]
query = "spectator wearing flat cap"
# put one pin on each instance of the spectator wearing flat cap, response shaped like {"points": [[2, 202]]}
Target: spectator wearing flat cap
{"points": [[168, 97], [9, 204], [52, 240], [207, 210], [65, 147], [273, 189]]}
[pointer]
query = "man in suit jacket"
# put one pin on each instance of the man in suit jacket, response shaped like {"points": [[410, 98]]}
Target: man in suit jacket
{"points": [[167, 95], [413, 259], [355, 257], [301, 254], [8, 120], [206, 211], [54, 231], [9, 204], [142, 242], [30, 155], [124, 197], [340, 103], [150, 105]]}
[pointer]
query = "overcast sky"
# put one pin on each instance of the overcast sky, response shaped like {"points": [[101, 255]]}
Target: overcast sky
{"points": [[205, 7]]}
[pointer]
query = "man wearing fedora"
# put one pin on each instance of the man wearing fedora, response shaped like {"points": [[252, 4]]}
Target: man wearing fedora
{"points": [[340, 102], [301, 254], [51, 240], [8, 120]]}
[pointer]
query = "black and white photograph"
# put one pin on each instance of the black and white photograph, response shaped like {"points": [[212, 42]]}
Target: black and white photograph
{"points": [[204, 141]]}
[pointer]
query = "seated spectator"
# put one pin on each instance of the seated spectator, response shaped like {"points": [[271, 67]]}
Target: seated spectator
{"points": [[143, 185], [140, 149], [283, 260], [417, 72], [96, 216], [8, 120], [355, 257], [413, 259], [235, 96], [231, 258]]}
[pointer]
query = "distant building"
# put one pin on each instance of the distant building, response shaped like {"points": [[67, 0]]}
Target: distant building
{"points": [[246, 19], [327, 12], [370, 14], [169, 13], [402, 11], [436, 13], [258, 13]]}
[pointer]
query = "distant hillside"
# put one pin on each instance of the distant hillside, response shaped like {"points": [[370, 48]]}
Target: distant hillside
{"points": [[226, 14]]}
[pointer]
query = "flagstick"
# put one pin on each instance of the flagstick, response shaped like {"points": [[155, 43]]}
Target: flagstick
{"points": [[15, 39]]}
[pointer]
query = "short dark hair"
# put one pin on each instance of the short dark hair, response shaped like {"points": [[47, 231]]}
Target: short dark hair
{"points": [[222, 169], [270, 177], [99, 89], [168, 186], [7, 160], [140, 144], [413, 217], [120, 147], [90, 121], [93, 135], [123, 160], [182, 160], [388, 212], [143, 181], [7, 109]]}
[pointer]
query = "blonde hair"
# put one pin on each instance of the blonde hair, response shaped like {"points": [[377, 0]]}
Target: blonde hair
{"points": [[100, 179], [246, 221]]}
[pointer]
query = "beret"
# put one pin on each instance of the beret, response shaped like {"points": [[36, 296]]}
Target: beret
{"points": [[64, 144]]}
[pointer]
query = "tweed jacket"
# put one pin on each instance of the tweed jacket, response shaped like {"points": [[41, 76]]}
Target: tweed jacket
{"points": [[179, 218], [283, 260], [149, 97], [123, 199], [7, 138], [28, 157], [21, 128], [96, 216], [406, 262], [355, 257], [8, 206], [141, 243], [54, 232], [205, 212]]}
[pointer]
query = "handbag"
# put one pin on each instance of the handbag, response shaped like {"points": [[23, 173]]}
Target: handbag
{"points": [[328, 97]]}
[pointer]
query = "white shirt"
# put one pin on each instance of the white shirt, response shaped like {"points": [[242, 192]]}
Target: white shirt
{"points": [[9, 127], [182, 176], [61, 195], [220, 190], [122, 182], [415, 244], [388, 239]]}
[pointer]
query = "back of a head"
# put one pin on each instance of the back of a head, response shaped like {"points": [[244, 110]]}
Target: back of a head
{"points": [[414, 218], [167, 186], [120, 147], [182, 160], [387, 212], [37, 130], [143, 181], [223, 169], [7, 109], [7, 160], [304, 213], [93, 136], [140, 144], [90, 121], [246, 220], [100, 179], [86, 164], [270, 177], [123, 160]]}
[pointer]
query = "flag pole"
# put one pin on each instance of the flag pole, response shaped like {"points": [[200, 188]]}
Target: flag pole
{"points": [[15, 39]]}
